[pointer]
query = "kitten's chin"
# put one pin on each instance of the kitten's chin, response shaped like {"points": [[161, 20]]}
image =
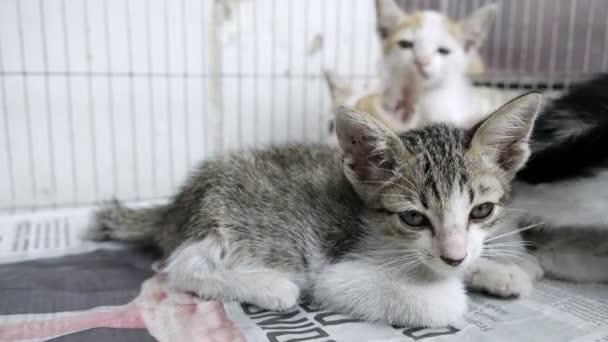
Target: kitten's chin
{"points": [[431, 81]]}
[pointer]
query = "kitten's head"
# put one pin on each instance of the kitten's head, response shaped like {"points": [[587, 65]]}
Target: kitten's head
{"points": [[436, 192], [429, 46]]}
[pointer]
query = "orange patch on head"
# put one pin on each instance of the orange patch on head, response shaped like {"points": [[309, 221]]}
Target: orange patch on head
{"points": [[406, 22], [476, 65], [452, 27], [372, 105], [368, 104], [410, 21]]}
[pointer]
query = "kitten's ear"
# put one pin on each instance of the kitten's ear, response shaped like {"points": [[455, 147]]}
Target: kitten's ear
{"points": [[477, 25], [372, 152], [388, 14], [503, 138], [338, 88]]}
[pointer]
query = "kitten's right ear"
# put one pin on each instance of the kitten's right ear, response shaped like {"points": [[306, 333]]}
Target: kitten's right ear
{"points": [[503, 138], [372, 152], [388, 14], [338, 88]]}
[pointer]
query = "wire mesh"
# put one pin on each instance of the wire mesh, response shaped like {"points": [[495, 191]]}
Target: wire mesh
{"points": [[120, 98]]}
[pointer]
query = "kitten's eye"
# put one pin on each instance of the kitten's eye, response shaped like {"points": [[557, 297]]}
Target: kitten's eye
{"points": [[482, 211], [444, 51], [406, 44], [414, 219]]}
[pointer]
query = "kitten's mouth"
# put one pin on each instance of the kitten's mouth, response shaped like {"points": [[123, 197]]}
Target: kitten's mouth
{"points": [[425, 75]]}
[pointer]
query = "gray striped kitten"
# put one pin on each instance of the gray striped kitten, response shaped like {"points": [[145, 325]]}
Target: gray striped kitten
{"points": [[383, 228]]}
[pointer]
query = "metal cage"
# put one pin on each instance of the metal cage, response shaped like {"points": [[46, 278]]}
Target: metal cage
{"points": [[103, 98]]}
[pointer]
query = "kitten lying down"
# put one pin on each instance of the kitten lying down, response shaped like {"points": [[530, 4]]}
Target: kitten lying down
{"points": [[386, 227]]}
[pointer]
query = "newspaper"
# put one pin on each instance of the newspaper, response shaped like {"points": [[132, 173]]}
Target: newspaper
{"points": [[45, 234], [556, 311]]}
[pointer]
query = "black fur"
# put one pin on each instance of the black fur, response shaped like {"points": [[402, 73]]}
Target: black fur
{"points": [[570, 138]]}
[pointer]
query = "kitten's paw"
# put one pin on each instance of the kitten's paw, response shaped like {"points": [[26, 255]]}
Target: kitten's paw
{"points": [[506, 281], [284, 295], [450, 312], [445, 306]]}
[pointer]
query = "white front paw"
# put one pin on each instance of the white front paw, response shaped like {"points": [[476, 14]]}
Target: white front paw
{"points": [[447, 306], [506, 281], [452, 314], [281, 296]]}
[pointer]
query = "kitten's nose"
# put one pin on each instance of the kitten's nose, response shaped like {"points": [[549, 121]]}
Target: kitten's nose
{"points": [[453, 262], [422, 62]]}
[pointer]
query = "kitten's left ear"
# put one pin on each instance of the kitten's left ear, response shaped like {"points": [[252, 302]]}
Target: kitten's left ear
{"points": [[388, 14], [477, 25], [372, 152], [503, 138], [339, 89]]}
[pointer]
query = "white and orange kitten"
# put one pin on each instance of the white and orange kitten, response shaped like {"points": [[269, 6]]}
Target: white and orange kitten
{"points": [[430, 57], [343, 94], [427, 59]]}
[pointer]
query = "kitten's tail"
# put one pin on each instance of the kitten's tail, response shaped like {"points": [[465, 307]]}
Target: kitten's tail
{"points": [[117, 222]]}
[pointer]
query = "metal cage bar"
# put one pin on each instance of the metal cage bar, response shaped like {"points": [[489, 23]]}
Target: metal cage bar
{"points": [[122, 104]]}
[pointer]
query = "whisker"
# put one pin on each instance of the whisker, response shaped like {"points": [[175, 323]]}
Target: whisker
{"points": [[510, 251], [410, 267], [506, 248], [393, 262], [515, 254], [394, 195], [405, 267], [392, 183], [514, 243], [515, 231], [405, 257], [388, 251], [405, 179], [402, 263], [499, 255], [399, 257], [506, 251], [515, 209]]}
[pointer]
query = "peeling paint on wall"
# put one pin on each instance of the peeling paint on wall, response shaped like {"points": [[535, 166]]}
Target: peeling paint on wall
{"points": [[217, 17], [315, 46], [225, 27]]}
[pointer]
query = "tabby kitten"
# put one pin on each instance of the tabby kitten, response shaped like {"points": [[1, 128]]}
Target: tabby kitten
{"points": [[382, 228]]}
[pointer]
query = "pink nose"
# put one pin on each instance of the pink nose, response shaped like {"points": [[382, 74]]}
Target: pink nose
{"points": [[422, 62]]}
